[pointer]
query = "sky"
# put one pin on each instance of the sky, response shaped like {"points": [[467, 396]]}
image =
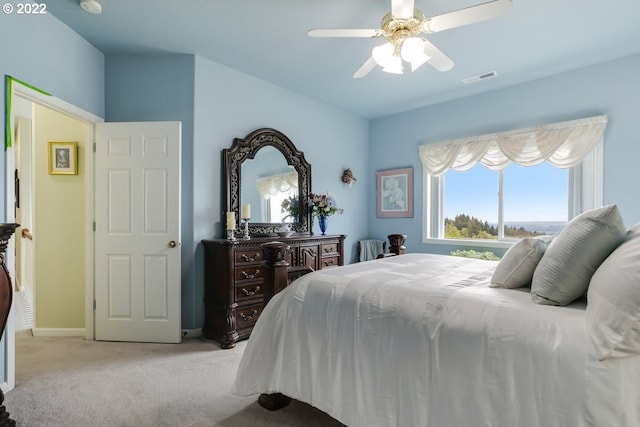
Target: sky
{"points": [[536, 193]]}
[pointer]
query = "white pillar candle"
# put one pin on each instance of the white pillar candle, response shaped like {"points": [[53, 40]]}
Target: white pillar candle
{"points": [[231, 221], [246, 211]]}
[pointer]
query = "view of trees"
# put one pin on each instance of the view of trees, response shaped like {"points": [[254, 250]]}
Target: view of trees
{"points": [[468, 227]]}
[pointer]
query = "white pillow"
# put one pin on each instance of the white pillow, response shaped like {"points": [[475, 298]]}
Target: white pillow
{"points": [[613, 302], [516, 267], [564, 272]]}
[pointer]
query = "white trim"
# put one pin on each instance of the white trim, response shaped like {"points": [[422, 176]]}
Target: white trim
{"points": [[90, 119], [54, 103], [191, 333], [58, 332], [472, 242]]}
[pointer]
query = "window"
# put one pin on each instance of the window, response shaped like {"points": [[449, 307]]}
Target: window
{"points": [[508, 204], [273, 205], [494, 189]]}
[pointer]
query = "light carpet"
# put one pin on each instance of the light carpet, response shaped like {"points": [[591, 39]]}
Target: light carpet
{"points": [[72, 382]]}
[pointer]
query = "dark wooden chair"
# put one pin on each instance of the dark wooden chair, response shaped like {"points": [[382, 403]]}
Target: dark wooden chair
{"points": [[6, 298], [396, 245]]}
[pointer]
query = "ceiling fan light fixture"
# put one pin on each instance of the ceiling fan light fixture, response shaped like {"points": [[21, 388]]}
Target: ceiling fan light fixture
{"points": [[412, 51], [383, 54], [394, 66]]}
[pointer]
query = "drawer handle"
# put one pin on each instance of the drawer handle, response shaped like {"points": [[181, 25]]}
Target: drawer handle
{"points": [[250, 293], [250, 276], [327, 250], [328, 263], [246, 317], [250, 259]]}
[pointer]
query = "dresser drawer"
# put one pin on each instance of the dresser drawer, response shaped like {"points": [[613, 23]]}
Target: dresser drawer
{"points": [[331, 261], [248, 256], [329, 249], [247, 316], [248, 272], [248, 291]]}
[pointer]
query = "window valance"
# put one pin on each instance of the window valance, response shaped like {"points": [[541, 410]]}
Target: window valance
{"points": [[275, 184], [562, 144]]}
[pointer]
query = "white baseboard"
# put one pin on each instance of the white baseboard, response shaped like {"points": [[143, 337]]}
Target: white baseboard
{"points": [[191, 333], [58, 332]]}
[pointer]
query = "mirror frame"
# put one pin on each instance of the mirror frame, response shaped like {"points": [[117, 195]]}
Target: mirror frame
{"points": [[247, 148]]}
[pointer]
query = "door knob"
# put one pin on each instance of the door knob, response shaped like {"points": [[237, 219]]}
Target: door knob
{"points": [[172, 244]]}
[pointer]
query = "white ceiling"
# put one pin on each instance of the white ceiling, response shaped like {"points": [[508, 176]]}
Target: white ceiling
{"points": [[268, 39]]}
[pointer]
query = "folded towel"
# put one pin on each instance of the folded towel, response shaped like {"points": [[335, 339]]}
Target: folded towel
{"points": [[370, 249]]}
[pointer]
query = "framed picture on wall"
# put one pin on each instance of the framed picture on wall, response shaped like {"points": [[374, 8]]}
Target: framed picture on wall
{"points": [[63, 158], [394, 191]]}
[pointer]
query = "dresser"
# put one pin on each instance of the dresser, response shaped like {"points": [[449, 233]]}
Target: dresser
{"points": [[234, 281]]}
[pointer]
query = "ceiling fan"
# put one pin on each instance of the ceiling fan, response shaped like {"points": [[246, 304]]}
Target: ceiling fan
{"points": [[402, 28]]}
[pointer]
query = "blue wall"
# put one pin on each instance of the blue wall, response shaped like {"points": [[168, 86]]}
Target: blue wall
{"points": [[155, 88], [39, 50], [610, 88], [215, 105], [229, 104]]}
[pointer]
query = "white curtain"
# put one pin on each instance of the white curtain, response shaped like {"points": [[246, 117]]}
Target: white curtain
{"points": [[276, 184], [562, 144]]}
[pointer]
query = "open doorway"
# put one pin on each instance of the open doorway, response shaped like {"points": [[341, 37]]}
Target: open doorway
{"points": [[23, 202], [25, 159]]}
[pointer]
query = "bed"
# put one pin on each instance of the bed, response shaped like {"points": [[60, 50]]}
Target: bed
{"points": [[428, 340]]}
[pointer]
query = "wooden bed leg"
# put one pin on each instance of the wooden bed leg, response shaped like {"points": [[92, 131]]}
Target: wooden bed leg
{"points": [[273, 401], [275, 279], [275, 268]]}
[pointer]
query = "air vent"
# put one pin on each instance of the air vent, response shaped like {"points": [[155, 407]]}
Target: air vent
{"points": [[479, 77]]}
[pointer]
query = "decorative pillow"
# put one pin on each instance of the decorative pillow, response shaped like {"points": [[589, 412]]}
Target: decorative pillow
{"points": [[564, 272], [613, 302], [633, 230], [516, 267]]}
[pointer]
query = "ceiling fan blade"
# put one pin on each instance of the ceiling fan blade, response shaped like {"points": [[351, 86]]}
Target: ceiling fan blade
{"points": [[466, 16], [365, 69], [402, 9], [438, 60], [344, 33]]}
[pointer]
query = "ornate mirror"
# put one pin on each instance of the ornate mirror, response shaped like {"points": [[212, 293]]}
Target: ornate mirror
{"points": [[262, 170]]}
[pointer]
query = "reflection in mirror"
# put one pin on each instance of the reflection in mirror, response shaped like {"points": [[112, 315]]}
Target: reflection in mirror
{"points": [[267, 180]]}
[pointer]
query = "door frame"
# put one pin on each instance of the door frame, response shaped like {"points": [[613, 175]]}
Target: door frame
{"points": [[56, 104]]}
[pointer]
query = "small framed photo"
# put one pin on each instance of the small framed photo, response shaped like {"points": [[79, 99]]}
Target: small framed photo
{"points": [[63, 158], [394, 191]]}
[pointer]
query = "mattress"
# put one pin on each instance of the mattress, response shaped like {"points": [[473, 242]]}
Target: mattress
{"points": [[422, 340]]}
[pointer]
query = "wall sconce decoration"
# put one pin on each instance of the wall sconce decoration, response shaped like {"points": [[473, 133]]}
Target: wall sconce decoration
{"points": [[347, 177]]}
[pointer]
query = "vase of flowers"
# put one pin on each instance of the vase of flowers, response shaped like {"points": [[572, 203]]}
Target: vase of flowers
{"points": [[323, 206], [291, 208]]}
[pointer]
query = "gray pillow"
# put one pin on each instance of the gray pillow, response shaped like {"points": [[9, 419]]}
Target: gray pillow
{"points": [[516, 267], [564, 272], [613, 302]]}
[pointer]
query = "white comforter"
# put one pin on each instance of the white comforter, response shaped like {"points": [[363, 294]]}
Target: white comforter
{"points": [[421, 340]]}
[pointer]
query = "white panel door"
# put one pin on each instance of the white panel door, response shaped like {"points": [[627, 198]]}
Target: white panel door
{"points": [[137, 238]]}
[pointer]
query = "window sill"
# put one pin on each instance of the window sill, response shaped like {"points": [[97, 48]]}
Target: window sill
{"points": [[503, 244]]}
